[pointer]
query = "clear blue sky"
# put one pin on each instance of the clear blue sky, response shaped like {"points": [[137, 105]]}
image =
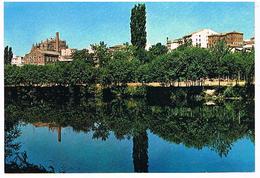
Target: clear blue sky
{"points": [[82, 24]]}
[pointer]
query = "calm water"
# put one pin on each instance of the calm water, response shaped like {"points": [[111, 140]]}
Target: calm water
{"points": [[92, 134]]}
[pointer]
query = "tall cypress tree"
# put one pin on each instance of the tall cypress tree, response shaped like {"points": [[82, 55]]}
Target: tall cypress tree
{"points": [[6, 55], [137, 25], [10, 55]]}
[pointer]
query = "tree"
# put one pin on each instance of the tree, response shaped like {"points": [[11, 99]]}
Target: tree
{"points": [[219, 51], [138, 27], [6, 55], [83, 55], [117, 72], [101, 53], [10, 55], [158, 49]]}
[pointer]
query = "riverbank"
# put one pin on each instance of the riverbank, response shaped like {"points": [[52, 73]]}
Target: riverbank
{"points": [[212, 83]]}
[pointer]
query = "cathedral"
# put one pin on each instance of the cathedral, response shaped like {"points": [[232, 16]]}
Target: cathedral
{"points": [[47, 51]]}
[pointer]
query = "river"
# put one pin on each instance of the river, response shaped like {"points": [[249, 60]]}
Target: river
{"points": [[82, 133]]}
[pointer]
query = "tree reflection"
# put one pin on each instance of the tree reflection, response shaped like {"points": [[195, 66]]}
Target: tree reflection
{"points": [[140, 152], [16, 161], [198, 126]]}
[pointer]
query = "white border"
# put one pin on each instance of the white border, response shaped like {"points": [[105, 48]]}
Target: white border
{"points": [[113, 175]]}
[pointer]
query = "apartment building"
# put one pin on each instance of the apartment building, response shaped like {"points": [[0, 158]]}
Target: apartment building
{"points": [[232, 39], [198, 38]]}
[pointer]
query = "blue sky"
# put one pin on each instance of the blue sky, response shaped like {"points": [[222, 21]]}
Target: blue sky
{"points": [[82, 24]]}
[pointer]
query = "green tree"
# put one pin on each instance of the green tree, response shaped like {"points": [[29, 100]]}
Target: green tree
{"points": [[219, 51], [6, 55], [137, 25], [83, 55], [101, 54], [117, 72], [10, 55], [158, 49]]}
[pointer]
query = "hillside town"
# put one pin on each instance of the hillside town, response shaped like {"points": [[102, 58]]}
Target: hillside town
{"points": [[54, 49]]}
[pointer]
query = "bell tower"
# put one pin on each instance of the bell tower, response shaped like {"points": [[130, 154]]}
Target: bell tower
{"points": [[57, 43]]}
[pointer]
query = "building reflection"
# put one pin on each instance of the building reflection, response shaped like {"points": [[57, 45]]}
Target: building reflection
{"points": [[52, 127]]}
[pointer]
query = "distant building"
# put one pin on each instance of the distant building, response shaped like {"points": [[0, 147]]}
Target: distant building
{"points": [[198, 38], [66, 55], [171, 45], [17, 60], [46, 52], [249, 44], [232, 39], [116, 48]]}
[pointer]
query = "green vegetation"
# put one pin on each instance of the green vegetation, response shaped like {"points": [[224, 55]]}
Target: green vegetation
{"points": [[69, 74], [137, 25], [8, 55], [191, 64], [138, 31]]}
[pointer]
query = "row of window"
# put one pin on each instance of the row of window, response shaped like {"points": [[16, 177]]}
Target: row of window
{"points": [[50, 59]]}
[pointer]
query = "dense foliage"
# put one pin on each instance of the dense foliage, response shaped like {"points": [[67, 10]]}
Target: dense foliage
{"points": [[137, 25], [8, 55], [190, 64], [76, 73]]}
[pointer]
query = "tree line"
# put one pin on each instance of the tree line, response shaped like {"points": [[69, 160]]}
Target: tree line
{"points": [[191, 64]]}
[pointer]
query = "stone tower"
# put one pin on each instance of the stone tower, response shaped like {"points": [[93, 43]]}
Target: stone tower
{"points": [[57, 42]]}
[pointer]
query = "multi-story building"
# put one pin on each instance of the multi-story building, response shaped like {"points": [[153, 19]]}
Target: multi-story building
{"points": [[232, 39], [199, 39], [66, 55], [17, 60], [249, 44], [47, 51], [251, 41]]}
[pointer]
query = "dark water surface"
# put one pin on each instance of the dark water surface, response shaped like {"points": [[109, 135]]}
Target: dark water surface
{"points": [[68, 133]]}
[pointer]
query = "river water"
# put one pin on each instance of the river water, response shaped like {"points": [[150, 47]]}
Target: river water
{"points": [[84, 134]]}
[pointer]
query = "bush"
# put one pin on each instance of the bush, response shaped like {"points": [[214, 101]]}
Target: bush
{"points": [[232, 92]]}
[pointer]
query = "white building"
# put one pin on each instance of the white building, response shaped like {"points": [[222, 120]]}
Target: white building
{"points": [[67, 52], [249, 44], [199, 39], [17, 60], [66, 55]]}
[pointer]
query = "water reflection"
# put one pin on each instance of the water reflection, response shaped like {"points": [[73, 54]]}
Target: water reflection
{"points": [[140, 152], [197, 126]]}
